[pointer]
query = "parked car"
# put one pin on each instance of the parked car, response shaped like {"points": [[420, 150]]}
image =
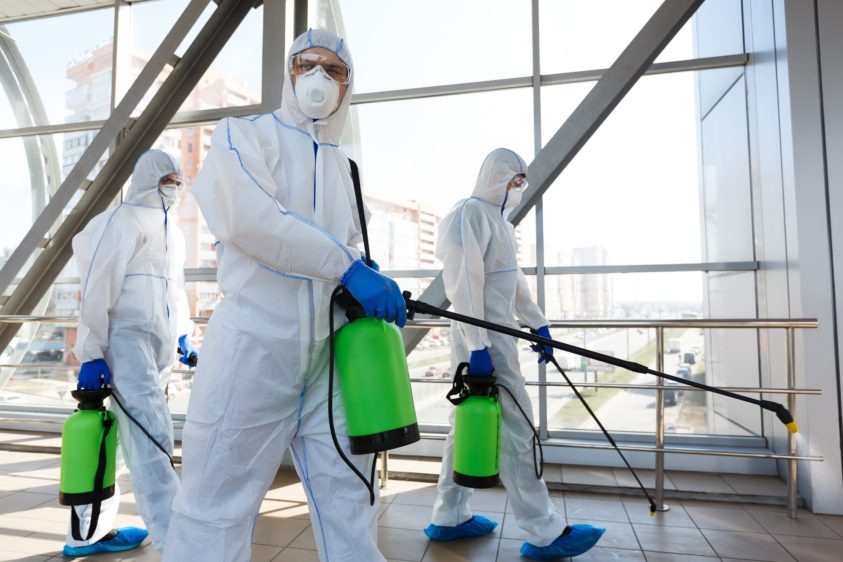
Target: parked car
{"points": [[437, 371], [433, 371], [669, 395]]}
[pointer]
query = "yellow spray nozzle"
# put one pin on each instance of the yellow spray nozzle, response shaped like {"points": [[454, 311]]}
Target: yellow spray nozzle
{"points": [[792, 427], [652, 513]]}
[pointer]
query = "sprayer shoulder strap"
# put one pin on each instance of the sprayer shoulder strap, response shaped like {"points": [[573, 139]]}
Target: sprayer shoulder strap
{"points": [[358, 196], [99, 478]]}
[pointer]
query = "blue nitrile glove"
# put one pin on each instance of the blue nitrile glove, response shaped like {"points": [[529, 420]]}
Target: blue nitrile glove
{"points": [[374, 265], [94, 375], [189, 354], [542, 350], [379, 295], [480, 363]]}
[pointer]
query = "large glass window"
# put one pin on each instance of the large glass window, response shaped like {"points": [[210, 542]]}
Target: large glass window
{"points": [[632, 196]]}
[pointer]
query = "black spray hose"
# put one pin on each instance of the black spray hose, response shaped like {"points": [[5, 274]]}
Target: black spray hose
{"points": [[414, 306], [370, 484], [552, 359], [538, 463], [143, 429]]}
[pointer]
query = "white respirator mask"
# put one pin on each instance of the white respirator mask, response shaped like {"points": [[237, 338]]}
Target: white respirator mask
{"points": [[169, 193], [317, 93], [513, 198]]}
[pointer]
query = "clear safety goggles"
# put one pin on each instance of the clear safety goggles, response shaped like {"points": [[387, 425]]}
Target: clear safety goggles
{"points": [[170, 181], [518, 183], [303, 63]]}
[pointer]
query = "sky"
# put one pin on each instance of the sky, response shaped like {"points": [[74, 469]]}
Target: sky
{"points": [[632, 189]]}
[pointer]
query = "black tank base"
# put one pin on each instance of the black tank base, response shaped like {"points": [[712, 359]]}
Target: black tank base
{"points": [[85, 498], [385, 441], [475, 481]]}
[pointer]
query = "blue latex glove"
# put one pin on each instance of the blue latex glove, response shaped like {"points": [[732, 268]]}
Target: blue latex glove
{"points": [[94, 375], [374, 265], [379, 295], [480, 363], [189, 354], [542, 350]]}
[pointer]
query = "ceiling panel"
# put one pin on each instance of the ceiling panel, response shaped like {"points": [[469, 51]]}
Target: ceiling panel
{"points": [[15, 10]]}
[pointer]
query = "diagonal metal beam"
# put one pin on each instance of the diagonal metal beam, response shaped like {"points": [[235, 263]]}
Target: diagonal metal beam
{"points": [[632, 63], [113, 126], [143, 133]]}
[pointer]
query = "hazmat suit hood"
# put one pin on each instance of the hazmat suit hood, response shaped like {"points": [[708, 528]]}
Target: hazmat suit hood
{"points": [[329, 129], [498, 169], [150, 168]]}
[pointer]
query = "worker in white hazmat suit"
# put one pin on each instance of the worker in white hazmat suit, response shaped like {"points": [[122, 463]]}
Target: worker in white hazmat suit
{"points": [[276, 191], [482, 279], [133, 317]]}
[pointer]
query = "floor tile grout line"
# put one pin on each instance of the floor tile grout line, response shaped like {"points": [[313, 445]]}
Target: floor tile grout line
{"points": [[700, 531], [634, 533], [778, 542], [829, 527]]}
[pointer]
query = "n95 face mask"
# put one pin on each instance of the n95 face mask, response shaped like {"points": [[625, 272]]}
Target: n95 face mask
{"points": [[318, 95]]}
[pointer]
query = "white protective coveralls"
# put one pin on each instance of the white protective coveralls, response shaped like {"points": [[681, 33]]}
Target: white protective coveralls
{"points": [[482, 279], [276, 191], [131, 260]]}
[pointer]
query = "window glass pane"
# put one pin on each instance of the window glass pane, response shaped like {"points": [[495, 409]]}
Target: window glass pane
{"points": [[429, 151], [718, 357], [632, 193], [407, 44], [34, 167], [234, 78], [591, 34], [73, 83], [431, 361]]}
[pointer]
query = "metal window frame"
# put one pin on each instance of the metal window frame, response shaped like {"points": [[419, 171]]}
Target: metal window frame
{"points": [[273, 75], [272, 93]]}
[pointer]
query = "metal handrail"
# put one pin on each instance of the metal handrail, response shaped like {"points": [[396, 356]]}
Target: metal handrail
{"points": [[718, 323], [800, 323], [631, 386], [788, 324]]}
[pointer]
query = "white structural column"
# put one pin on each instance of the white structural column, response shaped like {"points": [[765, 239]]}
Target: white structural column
{"points": [[812, 178]]}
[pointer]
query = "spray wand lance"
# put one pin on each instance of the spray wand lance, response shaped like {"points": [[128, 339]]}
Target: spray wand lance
{"points": [[414, 306], [609, 437]]}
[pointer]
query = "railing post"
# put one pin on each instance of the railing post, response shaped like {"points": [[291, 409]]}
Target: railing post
{"points": [[792, 480], [660, 505]]}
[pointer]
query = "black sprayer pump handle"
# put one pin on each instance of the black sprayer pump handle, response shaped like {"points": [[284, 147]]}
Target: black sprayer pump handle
{"points": [[358, 196], [414, 306]]}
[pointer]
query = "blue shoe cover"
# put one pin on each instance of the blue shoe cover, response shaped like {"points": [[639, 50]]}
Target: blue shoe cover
{"points": [[477, 526], [577, 541], [127, 538]]}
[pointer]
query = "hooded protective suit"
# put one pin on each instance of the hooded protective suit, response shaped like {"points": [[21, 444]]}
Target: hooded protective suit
{"points": [[277, 193], [482, 279], [131, 260]]}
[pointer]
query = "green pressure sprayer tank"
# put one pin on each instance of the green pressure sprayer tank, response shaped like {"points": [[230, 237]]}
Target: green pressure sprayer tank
{"points": [[88, 450], [476, 430], [375, 384]]}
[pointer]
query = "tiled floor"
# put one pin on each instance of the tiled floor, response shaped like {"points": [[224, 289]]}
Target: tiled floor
{"points": [[33, 524]]}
